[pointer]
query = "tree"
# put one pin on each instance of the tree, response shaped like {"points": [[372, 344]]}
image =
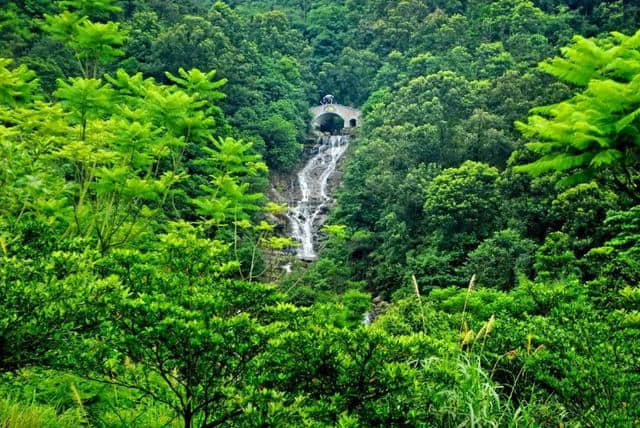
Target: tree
{"points": [[614, 265], [94, 44], [595, 133], [177, 329], [283, 149], [18, 85], [499, 260], [554, 258], [580, 212], [45, 287], [97, 9], [461, 206]]}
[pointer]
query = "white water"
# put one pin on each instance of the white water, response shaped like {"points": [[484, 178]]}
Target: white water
{"points": [[305, 217], [366, 318]]}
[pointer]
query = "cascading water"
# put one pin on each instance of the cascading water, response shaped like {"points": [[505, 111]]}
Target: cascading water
{"points": [[306, 215]]}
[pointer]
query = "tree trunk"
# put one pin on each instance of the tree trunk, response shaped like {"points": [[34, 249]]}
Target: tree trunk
{"points": [[188, 418]]}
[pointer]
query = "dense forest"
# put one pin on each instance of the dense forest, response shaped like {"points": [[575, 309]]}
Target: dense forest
{"points": [[479, 268]]}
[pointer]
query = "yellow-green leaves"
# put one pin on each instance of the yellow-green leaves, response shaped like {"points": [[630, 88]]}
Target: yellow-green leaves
{"points": [[18, 85], [227, 200], [120, 150], [198, 83], [276, 209], [588, 59], [94, 44], [337, 230], [235, 157], [98, 43], [84, 99], [598, 129], [229, 197], [62, 26]]}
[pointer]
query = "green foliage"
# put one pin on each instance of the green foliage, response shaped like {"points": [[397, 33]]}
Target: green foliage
{"points": [[282, 148], [85, 99], [18, 85], [18, 415], [581, 212], [461, 204], [549, 335], [595, 132], [94, 44], [196, 82], [91, 8], [46, 282], [181, 333], [266, 71], [498, 260], [135, 232], [614, 265], [554, 258]]}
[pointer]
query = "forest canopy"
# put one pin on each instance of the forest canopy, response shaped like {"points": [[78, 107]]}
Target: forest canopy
{"points": [[480, 265]]}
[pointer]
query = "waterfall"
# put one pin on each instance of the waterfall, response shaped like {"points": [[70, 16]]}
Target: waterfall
{"points": [[306, 215]]}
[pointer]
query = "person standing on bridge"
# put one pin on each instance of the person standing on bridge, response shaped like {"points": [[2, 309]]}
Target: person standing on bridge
{"points": [[327, 99]]}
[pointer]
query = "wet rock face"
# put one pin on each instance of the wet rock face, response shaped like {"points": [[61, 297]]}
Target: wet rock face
{"points": [[379, 306], [311, 202]]}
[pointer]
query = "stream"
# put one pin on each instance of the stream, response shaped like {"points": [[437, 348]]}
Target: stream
{"points": [[308, 213]]}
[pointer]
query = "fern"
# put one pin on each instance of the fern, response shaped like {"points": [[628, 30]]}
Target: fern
{"points": [[596, 132]]}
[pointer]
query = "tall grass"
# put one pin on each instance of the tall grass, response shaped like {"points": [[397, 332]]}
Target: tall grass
{"points": [[475, 399], [19, 415]]}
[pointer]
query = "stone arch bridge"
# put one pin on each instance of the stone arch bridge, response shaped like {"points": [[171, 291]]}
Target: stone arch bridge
{"points": [[322, 113]]}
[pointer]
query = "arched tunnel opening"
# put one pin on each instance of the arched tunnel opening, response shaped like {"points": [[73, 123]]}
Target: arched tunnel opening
{"points": [[330, 122]]}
